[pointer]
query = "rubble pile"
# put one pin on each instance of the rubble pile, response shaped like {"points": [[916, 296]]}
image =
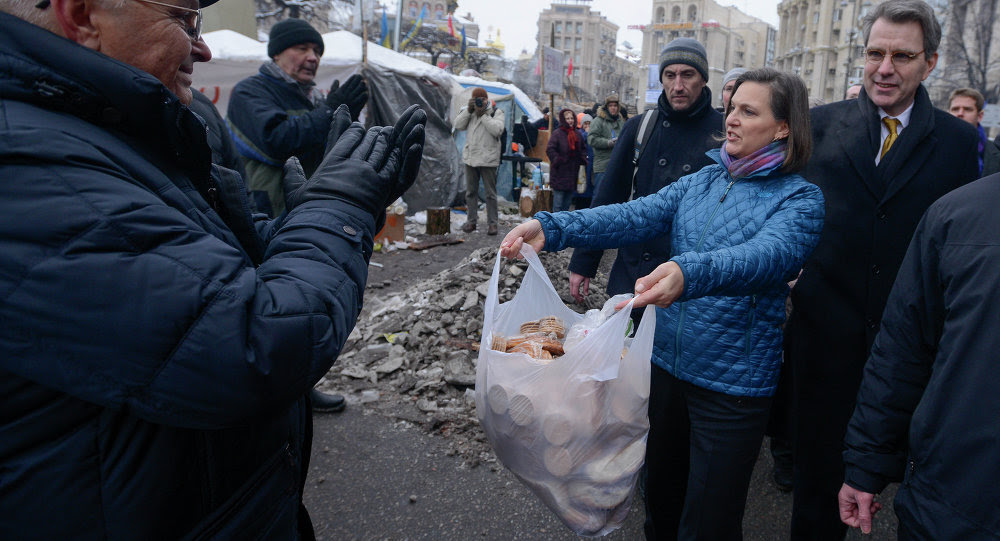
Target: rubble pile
{"points": [[413, 355]]}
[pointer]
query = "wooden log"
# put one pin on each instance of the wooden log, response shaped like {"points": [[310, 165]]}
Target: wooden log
{"points": [[527, 203], [543, 200], [438, 221]]}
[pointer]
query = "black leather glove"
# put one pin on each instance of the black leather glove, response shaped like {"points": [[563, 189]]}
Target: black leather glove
{"points": [[367, 170], [409, 131], [353, 94]]}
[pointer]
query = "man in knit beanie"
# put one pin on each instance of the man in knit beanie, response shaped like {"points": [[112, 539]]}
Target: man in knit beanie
{"points": [[484, 125], [279, 113], [682, 83], [603, 135], [728, 82]]}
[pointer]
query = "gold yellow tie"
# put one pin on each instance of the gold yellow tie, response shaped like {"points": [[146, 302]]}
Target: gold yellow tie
{"points": [[890, 123]]}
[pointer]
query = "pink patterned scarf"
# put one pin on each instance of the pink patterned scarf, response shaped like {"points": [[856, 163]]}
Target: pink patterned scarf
{"points": [[770, 156]]}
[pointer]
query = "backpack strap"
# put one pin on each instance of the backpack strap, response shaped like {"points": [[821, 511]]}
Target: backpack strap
{"points": [[640, 144]]}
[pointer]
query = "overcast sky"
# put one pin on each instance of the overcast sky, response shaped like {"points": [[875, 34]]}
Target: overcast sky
{"points": [[518, 19]]}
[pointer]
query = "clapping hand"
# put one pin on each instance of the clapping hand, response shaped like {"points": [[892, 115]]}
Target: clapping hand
{"points": [[353, 94], [369, 170]]}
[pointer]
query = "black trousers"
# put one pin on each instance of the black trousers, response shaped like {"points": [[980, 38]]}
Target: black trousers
{"points": [[700, 454]]}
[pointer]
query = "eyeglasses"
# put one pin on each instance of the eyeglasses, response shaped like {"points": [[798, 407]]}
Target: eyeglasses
{"points": [[191, 26], [898, 58], [191, 20]]}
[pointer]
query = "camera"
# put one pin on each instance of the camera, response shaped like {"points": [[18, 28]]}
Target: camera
{"points": [[480, 102]]}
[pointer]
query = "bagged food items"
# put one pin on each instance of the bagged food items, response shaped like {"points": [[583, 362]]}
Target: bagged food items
{"points": [[569, 422], [593, 319]]}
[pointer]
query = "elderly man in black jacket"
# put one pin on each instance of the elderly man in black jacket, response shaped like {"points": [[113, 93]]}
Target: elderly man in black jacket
{"points": [[279, 113], [927, 411], [156, 340], [878, 177]]}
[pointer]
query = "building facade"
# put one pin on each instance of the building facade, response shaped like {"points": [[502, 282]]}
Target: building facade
{"points": [[588, 39], [732, 39], [821, 41]]}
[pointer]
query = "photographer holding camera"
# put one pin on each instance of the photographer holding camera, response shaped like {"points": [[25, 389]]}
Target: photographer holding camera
{"points": [[481, 156]]}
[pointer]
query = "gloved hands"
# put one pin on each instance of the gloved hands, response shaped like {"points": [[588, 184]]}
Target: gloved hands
{"points": [[353, 94], [472, 105], [368, 170]]}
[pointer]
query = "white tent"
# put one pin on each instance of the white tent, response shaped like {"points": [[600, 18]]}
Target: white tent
{"points": [[395, 82]]}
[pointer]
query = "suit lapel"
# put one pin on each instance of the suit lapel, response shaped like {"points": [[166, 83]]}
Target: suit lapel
{"points": [[913, 147], [857, 137]]}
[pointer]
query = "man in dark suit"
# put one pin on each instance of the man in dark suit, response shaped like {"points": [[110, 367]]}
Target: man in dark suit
{"points": [[878, 177]]}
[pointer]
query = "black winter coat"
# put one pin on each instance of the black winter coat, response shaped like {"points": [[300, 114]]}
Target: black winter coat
{"points": [[271, 120], [676, 148], [156, 343], [223, 150], [928, 412], [871, 213]]}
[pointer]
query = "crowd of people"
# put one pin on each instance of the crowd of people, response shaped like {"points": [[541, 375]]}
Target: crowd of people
{"points": [[885, 354], [176, 282]]}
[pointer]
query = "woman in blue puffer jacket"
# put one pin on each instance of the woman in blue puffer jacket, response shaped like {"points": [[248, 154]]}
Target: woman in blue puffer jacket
{"points": [[740, 230]]}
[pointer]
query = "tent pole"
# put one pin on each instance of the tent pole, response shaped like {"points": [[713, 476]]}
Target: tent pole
{"points": [[364, 35], [399, 22]]}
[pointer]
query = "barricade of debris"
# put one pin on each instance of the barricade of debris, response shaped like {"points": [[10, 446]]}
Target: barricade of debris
{"points": [[413, 355]]}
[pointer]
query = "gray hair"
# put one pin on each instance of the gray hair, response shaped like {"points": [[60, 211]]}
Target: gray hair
{"points": [[904, 11]]}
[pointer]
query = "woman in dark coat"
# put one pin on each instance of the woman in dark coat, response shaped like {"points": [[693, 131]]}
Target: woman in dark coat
{"points": [[566, 153]]}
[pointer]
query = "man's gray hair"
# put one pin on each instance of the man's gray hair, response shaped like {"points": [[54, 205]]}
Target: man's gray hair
{"points": [[904, 11]]}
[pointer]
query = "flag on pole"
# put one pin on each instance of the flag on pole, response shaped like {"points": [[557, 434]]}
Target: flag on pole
{"points": [[570, 67], [415, 29], [386, 38], [463, 42], [451, 28]]}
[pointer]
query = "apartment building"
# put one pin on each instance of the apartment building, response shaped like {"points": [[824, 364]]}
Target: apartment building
{"points": [[731, 38], [821, 41], [589, 39]]}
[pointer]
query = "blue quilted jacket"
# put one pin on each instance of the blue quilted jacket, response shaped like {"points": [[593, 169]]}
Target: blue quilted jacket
{"points": [[738, 243]]}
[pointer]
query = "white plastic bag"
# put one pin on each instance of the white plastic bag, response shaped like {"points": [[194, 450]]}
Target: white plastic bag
{"points": [[572, 429]]}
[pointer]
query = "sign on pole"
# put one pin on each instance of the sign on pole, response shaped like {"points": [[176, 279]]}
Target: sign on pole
{"points": [[653, 84], [552, 70]]}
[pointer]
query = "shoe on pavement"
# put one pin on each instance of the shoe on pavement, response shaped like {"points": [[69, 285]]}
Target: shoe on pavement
{"points": [[469, 227], [327, 403], [492, 231], [783, 478]]}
